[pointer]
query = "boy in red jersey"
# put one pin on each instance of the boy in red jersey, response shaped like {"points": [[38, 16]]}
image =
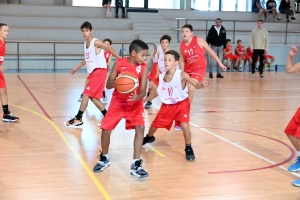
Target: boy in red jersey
{"points": [[158, 64], [173, 92], [193, 59], [128, 106], [96, 66], [227, 52], [7, 116], [268, 59], [293, 128], [241, 52]]}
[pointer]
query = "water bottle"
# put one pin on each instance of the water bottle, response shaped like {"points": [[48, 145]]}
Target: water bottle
{"points": [[275, 68], [120, 52]]}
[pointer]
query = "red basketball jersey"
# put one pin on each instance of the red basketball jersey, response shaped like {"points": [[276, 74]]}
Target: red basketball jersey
{"points": [[241, 49], [124, 66], [249, 52], [2, 51], [107, 55], [228, 49], [193, 55]]}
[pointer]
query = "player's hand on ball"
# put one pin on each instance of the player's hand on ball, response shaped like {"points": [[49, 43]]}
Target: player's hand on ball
{"points": [[293, 51], [2, 68], [133, 96]]}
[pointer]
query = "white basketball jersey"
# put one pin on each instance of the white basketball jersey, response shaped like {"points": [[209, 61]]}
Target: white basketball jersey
{"points": [[92, 60], [171, 92], [160, 59]]}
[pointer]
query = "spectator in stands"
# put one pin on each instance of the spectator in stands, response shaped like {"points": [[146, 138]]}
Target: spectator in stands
{"points": [[119, 4], [285, 7], [259, 43], [227, 53], [272, 8], [257, 8], [217, 39], [106, 4], [241, 52]]}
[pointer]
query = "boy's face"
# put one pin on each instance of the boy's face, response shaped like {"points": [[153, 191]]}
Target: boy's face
{"points": [[140, 57], [4, 30], [107, 43], [170, 61], [165, 44], [228, 44], [240, 43], [186, 33], [86, 33]]}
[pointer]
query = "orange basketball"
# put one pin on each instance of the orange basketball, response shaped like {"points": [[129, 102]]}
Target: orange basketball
{"points": [[127, 82]]}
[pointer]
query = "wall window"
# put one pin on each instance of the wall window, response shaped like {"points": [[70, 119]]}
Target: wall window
{"points": [[205, 5]]}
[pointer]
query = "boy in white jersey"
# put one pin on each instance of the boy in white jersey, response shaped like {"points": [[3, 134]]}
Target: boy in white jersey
{"points": [[173, 92], [96, 66]]}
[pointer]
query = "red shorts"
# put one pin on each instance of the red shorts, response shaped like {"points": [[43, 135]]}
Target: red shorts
{"points": [[231, 57], [245, 57], [293, 127], [2, 81], [267, 56], [96, 83], [198, 76], [169, 112], [153, 76], [133, 112]]}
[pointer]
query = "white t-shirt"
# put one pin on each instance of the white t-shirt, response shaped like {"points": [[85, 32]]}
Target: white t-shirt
{"points": [[92, 60]]}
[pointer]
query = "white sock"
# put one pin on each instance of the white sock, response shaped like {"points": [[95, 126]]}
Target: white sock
{"points": [[106, 155], [107, 11], [298, 153]]}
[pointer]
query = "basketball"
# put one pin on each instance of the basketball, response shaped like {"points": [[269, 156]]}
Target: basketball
{"points": [[126, 82]]}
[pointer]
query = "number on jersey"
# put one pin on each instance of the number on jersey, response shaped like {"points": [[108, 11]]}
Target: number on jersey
{"points": [[190, 52], [138, 69]]}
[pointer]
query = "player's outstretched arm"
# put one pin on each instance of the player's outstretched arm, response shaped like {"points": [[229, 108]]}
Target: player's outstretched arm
{"points": [[290, 66], [100, 44], [196, 84], [150, 57], [109, 60], [203, 43], [75, 69], [181, 62], [112, 77]]}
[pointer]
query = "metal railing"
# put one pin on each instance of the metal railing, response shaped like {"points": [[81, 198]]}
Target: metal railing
{"points": [[234, 27], [54, 54]]}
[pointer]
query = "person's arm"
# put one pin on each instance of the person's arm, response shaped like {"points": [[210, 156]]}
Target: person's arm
{"points": [[224, 39], [225, 52], [258, 5], [82, 63], [196, 84], [290, 66], [267, 42], [181, 61], [100, 44], [112, 77], [109, 60], [152, 95], [143, 87], [237, 51], [203, 43], [150, 57], [208, 38], [251, 40]]}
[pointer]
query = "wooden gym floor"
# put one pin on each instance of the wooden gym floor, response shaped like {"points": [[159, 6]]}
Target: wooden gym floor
{"points": [[237, 134]]}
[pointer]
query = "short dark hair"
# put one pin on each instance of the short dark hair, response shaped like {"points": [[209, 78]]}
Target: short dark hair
{"points": [[228, 40], [188, 26], [219, 19], [86, 25], [108, 40], [165, 37], [174, 53], [2, 24], [137, 46], [260, 20], [238, 41]]}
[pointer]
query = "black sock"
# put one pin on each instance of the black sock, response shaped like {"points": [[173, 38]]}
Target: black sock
{"points": [[103, 112], [79, 114], [5, 109], [149, 136], [103, 94], [188, 145]]}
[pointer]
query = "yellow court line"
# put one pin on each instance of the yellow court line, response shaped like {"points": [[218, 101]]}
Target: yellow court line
{"points": [[264, 132], [158, 152], [245, 124], [81, 161], [274, 136], [236, 120], [254, 128]]}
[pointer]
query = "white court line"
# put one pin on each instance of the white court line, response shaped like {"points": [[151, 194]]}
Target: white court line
{"points": [[238, 146]]}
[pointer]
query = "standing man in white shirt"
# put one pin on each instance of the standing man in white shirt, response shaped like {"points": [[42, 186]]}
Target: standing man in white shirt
{"points": [[217, 39]]}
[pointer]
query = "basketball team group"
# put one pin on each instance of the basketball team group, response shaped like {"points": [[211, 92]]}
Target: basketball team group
{"points": [[174, 78]]}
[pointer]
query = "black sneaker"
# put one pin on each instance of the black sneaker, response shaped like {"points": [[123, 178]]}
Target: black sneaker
{"points": [[210, 75], [189, 154], [288, 20], [137, 170], [148, 139], [9, 118], [74, 123], [123, 16], [220, 76], [102, 163], [148, 105], [293, 18], [117, 16]]}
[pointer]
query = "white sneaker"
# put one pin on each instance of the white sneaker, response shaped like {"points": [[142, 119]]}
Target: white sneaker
{"points": [[177, 128], [241, 68], [253, 75]]}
